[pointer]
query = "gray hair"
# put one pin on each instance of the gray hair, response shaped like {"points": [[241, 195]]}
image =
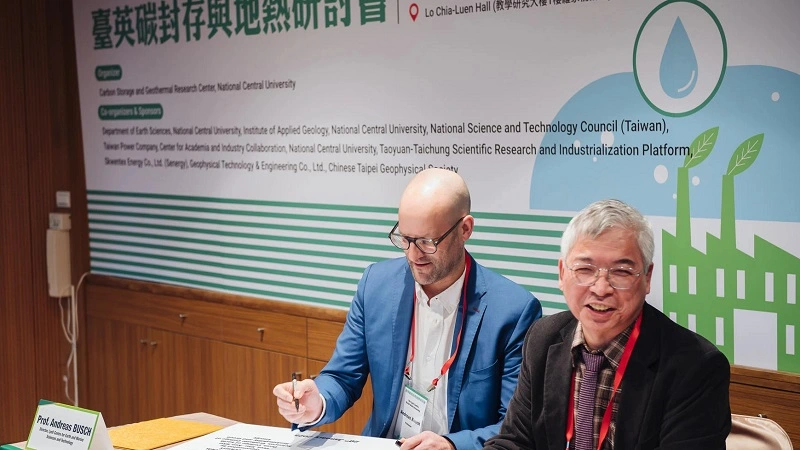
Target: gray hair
{"points": [[602, 215]]}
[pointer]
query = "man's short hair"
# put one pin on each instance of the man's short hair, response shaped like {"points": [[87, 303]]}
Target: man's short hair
{"points": [[603, 215]]}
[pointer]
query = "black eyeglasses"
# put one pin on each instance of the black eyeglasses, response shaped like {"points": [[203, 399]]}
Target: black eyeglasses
{"points": [[425, 245]]}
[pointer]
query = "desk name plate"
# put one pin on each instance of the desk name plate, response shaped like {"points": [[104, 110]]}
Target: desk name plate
{"points": [[58, 426]]}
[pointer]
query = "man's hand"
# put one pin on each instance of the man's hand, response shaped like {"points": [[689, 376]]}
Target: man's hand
{"points": [[310, 408], [427, 440]]}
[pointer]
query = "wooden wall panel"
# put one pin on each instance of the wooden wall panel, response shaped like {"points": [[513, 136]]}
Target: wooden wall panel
{"points": [[16, 309], [46, 175], [40, 153]]}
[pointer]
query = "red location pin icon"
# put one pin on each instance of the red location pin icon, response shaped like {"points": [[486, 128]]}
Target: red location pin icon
{"points": [[413, 10]]}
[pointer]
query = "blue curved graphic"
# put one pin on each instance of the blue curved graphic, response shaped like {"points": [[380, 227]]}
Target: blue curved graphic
{"points": [[751, 100]]}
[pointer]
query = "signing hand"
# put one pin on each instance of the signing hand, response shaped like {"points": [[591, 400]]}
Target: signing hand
{"points": [[310, 408]]}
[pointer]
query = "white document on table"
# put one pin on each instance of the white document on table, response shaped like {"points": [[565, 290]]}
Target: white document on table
{"points": [[257, 437]]}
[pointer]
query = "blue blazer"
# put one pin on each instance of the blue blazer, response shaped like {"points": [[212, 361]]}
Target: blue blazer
{"points": [[375, 341]]}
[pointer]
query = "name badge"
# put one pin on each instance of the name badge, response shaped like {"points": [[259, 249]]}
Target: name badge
{"points": [[57, 426], [412, 411]]}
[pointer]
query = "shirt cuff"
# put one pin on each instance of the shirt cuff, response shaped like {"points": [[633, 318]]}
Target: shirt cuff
{"points": [[322, 414], [450, 441]]}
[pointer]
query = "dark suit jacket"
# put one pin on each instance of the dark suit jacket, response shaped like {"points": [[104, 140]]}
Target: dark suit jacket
{"points": [[674, 395], [375, 342]]}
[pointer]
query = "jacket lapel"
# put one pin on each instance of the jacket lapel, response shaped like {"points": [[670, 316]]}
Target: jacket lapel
{"points": [[638, 383], [403, 309], [556, 393], [476, 288]]}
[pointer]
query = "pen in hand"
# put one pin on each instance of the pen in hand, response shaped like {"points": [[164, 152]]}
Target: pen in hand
{"points": [[294, 389]]}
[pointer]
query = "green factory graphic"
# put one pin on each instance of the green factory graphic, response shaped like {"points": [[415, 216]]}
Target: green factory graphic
{"points": [[710, 292]]}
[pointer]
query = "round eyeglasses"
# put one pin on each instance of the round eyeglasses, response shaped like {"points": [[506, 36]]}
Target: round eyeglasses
{"points": [[618, 277], [425, 245]]}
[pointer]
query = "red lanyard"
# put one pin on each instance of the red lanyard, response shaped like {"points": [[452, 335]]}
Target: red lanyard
{"points": [[452, 358], [623, 364]]}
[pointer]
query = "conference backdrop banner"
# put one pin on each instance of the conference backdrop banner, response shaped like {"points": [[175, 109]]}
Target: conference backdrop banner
{"points": [[260, 147]]}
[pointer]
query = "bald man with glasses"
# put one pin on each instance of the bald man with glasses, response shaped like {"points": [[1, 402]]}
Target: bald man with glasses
{"points": [[440, 335]]}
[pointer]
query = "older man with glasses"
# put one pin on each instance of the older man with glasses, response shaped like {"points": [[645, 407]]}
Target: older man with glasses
{"points": [[613, 372], [440, 335]]}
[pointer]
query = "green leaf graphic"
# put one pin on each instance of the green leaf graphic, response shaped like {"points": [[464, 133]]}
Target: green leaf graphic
{"points": [[701, 147], [745, 155]]}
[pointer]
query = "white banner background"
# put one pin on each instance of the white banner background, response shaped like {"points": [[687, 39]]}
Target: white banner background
{"points": [[307, 235]]}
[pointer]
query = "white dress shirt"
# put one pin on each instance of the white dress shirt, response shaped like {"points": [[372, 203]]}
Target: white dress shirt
{"points": [[435, 325]]}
